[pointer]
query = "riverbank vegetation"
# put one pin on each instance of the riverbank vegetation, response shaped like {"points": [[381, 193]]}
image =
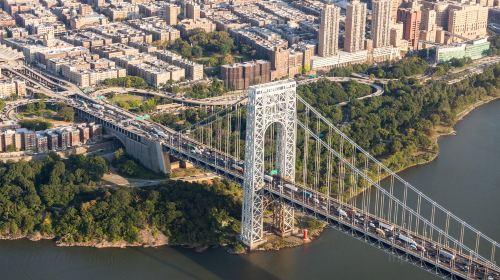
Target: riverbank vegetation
{"points": [[325, 94], [60, 199], [401, 127]]}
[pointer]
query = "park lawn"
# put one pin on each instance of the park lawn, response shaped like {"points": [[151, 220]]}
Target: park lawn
{"points": [[126, 98], [45, 113]]}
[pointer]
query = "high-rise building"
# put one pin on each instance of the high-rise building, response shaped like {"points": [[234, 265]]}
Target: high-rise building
{"points": [[171, 14], [411, 17], [396, 35], [428, 25], [243, 75], [394, 10], [329, 31], [381, 22], [442, 9], [428, 20], [468, 20], [355, 26], [193, 11]]}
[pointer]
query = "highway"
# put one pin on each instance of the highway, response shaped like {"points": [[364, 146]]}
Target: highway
{"points": [[477, 67], [212, 101], [231, 99]]}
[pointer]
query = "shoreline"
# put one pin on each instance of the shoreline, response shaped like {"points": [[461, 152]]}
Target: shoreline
{"points": [[148, 238], [154, 238], [437, 132]]}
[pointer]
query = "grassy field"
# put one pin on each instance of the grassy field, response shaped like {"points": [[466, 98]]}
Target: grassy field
{"points": [[41, 116], [126, 98], [127, 101]]}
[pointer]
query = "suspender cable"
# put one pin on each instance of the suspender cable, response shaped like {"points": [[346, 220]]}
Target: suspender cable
{"points": [[417, 221], [354, 178], [317, 158], [341, 171], [306, 144], [329, 165], [433, 214], [228, 137], [391, 190], [368, 191], [238, 130], [477, 243], [461, 236], [493, 247], [447, 226]]}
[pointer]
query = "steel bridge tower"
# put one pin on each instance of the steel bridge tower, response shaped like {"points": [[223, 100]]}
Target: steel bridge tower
{"points": [[272, 103]]}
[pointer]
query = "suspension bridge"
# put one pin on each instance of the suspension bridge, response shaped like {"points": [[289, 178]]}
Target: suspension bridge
{"points": [[288, 157]]}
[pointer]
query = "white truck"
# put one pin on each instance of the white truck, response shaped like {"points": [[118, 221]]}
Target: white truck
{"points": [[386, 227], [446, 254], [407, 239]]}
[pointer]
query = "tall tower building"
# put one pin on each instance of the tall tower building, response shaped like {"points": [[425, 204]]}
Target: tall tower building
{"points": [[329, 31], [394, 10], [171, 14], [468, 20], [428, 21], [428, 25], [381, 23], [355, 26], [193, 11], [411, 17]]}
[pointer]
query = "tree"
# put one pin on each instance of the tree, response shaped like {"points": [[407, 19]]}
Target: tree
{"points": [[97, 167], [35, 124], [41, 105], [66, 113], [197, 51], [129, 167], [227, 59], [306, 69], [118, 154], [30, 107]]}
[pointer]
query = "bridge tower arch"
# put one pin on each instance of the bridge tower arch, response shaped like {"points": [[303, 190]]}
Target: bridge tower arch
{"points": [[268, 104]]}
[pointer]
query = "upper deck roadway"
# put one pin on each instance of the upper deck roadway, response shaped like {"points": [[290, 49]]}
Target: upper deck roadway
{"points": [[428, 254]]}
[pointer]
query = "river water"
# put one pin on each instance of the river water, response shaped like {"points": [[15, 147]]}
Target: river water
{"points": [[465, 178]]}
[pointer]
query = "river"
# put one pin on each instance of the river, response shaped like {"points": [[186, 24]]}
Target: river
{"points": [[465, 178]]}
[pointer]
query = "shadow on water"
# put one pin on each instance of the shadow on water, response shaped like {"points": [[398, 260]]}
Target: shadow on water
{"points": [[152, 255], [214, 263]]}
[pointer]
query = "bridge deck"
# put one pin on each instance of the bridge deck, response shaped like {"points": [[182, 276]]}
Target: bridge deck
{"points": [[357, 223]]}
